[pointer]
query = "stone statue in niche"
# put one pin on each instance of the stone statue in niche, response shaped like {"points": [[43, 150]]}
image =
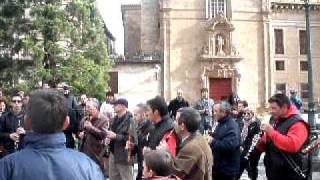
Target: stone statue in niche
{"points": [[219, 45]]}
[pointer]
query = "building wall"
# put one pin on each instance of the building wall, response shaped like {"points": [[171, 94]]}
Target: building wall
{"points": [[138, 82], [131, 16], [291, 22], [183, 34], [188, 36]]}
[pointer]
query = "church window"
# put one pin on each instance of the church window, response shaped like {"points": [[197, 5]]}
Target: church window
{"points": [[215, 7], [279, 46]]}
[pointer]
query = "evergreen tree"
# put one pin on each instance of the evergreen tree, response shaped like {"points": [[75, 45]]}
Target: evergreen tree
{"points": [[67, 43]]}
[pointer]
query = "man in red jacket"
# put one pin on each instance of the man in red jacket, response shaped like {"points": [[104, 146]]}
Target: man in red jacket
{"points": [[283, 140]]}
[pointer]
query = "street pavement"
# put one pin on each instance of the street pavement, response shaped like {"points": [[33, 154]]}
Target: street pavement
{"points": [[262, 173]]}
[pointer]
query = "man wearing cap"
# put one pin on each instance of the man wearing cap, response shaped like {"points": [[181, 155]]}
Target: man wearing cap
{"points": [[122, 128]]}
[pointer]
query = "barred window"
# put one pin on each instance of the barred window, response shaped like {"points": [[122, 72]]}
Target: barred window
{"points": [[304, 90], [281, 88], [216, 6], [302, 42], [279, 46]]}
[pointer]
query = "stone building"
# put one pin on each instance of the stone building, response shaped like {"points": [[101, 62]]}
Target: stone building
{"points": [[250, 48]]}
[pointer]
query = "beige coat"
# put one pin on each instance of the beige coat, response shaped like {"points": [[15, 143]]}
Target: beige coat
{"points": [[194, 161]]}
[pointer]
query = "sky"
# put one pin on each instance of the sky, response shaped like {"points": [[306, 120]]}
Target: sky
{"points": [[111, 13]]}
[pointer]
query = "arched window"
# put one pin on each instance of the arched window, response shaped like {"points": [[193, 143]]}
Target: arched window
{"points": [[216, 6]]}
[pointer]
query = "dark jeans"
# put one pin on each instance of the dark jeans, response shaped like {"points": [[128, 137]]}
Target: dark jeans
{"points": [[204, 126], [222, 176], [140, 164], [250, 165]]}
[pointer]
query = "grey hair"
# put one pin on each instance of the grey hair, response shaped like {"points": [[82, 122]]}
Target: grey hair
{"points": [[94, 102], [225, 106], [142, 107]]}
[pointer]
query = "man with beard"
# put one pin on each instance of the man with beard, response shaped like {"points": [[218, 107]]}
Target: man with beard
{"points": [[92, 133], [81, 110], [176, 104], [12, 126], [72, 113], [241, 108], [106, 108]]}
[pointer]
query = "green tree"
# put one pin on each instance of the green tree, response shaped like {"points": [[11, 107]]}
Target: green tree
{"points": [[13, 25], [68, 44]]}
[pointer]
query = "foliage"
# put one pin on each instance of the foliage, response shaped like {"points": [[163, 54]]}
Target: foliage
{"points": [[68, 44]]}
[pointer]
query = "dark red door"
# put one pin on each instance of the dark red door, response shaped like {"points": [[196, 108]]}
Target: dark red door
{"points": [[220, 88]]}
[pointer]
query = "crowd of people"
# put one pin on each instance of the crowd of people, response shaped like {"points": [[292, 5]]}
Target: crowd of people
{"points": [[49, 135]]}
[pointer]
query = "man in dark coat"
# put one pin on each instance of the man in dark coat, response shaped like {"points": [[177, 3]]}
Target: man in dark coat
{"points": [[163, 125], [122, 128], [176, 104], [72, 113], [144, 127], [12, 126], [225, 144]]}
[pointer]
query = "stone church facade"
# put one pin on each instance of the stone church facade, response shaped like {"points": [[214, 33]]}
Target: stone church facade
{"points": [[250, 48]]}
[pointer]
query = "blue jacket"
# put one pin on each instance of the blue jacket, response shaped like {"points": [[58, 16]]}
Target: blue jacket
{"points": [[226, 147], [46, 157]]}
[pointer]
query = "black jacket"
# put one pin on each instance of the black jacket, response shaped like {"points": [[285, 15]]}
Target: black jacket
{"points": [[122, 127], [275, 160], [160, 129], [253, 129], [9, 124], [175, 105], [226, 147]]}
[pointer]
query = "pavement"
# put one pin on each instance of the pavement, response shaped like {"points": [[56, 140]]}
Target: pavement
{"points": [[262, 173]]}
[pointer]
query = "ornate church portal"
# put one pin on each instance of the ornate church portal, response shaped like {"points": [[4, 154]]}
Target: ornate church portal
{"points": [[219, 59]]}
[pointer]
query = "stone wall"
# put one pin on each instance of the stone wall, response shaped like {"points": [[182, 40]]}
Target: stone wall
{"points": [[138, 81], [131, 15]]}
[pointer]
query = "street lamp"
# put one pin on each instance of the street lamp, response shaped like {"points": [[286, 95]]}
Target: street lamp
{"points": [[311, 104]]}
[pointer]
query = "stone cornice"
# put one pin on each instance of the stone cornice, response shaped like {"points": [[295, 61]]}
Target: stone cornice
{"points": [[117, 62], [287, 6], [130, 7]]}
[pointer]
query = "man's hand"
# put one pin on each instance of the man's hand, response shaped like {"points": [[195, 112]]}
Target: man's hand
{"points": [[163, 146], [129, 145], [208, 138], [21, 130], [87, 124], [14, 137], [266, 128], [146, 150], [111, 135], [81, 135]]}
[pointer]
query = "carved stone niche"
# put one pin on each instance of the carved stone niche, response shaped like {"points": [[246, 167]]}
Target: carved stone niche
{"points": [[219, 44]]}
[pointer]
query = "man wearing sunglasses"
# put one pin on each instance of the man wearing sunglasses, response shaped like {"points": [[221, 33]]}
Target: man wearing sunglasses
{"points": [[12, 126]]}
